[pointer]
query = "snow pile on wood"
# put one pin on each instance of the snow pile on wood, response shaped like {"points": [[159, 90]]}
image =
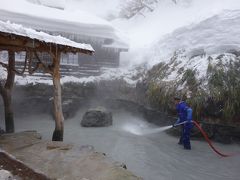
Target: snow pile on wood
{"points": [[17, 29]]}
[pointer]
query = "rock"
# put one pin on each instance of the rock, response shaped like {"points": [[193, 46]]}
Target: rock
{"points": [[10, 165], [98, 117], [122, 165], [19, 140], [58, 160]]}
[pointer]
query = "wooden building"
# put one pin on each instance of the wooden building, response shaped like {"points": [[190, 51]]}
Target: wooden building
{"points": [[82, 28]]}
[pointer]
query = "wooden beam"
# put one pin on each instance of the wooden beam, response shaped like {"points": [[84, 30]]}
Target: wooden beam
{"points": [[18, 41]]}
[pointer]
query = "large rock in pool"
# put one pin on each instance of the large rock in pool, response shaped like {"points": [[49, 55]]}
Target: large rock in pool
{"points": [[98, 117]]}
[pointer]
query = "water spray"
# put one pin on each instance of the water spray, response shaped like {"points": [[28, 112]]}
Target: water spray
{"points": [[140, 131], [144, 131]]}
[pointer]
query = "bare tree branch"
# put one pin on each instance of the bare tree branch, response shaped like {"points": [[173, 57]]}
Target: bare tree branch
{"points": [[134, 7]]}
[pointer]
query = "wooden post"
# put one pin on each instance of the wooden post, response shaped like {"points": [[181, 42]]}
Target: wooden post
{"points": [[57, 100], [6, 92]]}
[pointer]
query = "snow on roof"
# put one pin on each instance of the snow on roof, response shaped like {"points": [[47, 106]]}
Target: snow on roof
{"points": [[60, 4], [52, 19], [17, 29], [117, 44]]}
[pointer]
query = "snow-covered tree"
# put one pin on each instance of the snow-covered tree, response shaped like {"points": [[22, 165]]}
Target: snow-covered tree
{"points": [[133, 7]]}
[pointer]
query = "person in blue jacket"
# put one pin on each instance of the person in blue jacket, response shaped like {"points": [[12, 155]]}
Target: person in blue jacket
{"points": [[184, 116]]}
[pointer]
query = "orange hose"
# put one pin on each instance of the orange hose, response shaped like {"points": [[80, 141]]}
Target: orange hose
{"points": [[209, 141]]}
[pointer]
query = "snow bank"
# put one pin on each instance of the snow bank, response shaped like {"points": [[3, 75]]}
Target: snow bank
{"points": [[107, 74], [17, 29], [190, 47], [143, 30], [218, 34]]}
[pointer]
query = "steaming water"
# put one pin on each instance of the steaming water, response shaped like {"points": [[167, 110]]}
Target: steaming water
{"points": [[145, 149]]}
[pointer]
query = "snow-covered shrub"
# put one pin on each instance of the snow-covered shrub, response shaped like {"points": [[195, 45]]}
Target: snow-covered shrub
{"points": [[215, 93]]}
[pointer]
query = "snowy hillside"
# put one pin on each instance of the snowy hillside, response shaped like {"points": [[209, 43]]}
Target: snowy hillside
{"points": [[192, 45], [145, 29], [217, 34]]}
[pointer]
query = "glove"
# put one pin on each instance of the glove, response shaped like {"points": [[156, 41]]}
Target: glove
{"points": [[178, 120]]}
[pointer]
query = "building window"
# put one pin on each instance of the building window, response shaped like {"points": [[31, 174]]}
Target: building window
{"points": [[69, 59], [20, 56], [4, 56]]}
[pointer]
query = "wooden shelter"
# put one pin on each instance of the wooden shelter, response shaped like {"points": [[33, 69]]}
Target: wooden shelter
{"points": [[16, 38]]}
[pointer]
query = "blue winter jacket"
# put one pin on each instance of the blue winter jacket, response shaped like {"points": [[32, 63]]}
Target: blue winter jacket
{"points": [[182, 111]]}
